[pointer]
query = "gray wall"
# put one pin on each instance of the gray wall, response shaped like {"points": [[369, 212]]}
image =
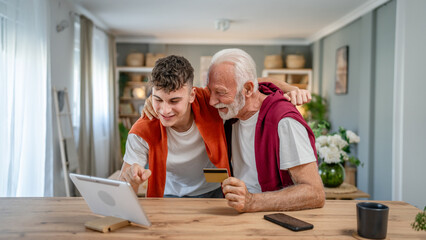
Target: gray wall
{"points": [[411, 118], [194, 52], [365, 109], [124, 49], [383, 99]]}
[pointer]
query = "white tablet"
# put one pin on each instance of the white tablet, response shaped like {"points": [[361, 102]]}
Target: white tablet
{"points": [[110, 198]]}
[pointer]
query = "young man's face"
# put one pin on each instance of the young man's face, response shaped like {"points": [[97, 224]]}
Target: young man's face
{"points": [[173, 108]]}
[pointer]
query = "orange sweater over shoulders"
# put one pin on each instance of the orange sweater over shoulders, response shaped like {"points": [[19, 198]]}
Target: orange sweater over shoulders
{"points": [[210, 126]]}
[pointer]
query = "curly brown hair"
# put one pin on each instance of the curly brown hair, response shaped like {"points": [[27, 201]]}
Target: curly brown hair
{"points": [[172, 73]]}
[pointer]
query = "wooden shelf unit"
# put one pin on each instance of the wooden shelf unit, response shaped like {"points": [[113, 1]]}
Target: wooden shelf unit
{"points": [[130, 105], [287, 74]]}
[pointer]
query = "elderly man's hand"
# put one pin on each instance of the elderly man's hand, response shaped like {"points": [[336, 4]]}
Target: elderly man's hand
{"points": [[236, 193], [148, 110], [135, 175], [298, 97]]}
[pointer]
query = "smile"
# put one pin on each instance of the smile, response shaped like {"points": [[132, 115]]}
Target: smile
{"points": [[167, 118], [223, 109]]}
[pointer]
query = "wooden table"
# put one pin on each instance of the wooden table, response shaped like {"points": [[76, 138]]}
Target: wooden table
{"points": [[64, 218]]}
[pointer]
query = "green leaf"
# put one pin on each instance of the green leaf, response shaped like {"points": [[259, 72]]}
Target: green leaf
{"points": [[355, 161], [420, 221], [124, 132]]}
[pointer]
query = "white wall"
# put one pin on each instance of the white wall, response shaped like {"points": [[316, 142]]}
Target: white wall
{"points": [[61, 57], [409, 104]]}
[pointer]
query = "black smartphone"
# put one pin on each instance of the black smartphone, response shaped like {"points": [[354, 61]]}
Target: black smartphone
{"points": [[289, 222]]}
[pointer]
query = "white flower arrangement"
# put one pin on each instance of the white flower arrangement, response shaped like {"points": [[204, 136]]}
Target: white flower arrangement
{"points": [[335, 148]]}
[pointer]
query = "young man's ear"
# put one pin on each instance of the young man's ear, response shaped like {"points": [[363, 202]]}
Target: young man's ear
{"points": [[248, 89], [192, 95]]}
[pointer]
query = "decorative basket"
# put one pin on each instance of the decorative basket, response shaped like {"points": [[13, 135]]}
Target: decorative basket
{"points": [[295, 61], [273, 61], [135, 60], [152, 58], [135, 77]]}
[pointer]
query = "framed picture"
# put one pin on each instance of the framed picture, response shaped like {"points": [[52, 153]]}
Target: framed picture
{"points": [[342, 56]]}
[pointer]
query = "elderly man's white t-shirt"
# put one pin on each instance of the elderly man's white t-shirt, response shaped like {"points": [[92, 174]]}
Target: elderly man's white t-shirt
{"points": [[295, 149], [186, 158]]}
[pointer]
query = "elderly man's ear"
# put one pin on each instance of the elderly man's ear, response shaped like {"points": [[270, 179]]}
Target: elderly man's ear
{"points": [[248, 89]]}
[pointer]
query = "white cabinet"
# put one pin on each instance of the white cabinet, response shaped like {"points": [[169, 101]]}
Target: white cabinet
{"points": [[132, 96], [302, 78]]}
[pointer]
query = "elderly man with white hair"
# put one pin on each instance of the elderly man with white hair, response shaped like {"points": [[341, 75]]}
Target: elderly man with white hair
{"points": [[273, 149]]}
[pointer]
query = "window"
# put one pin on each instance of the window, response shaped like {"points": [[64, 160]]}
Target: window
{"points": [[75, 93], [101, 117]]}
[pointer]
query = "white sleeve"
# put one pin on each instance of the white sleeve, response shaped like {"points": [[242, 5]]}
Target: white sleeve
{"points": [[295, 147], [136, 150]]}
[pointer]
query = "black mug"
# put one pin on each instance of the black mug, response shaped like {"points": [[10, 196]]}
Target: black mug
{"points": [[372, 220]]}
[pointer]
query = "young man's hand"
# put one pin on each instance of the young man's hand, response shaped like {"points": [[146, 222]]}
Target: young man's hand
{"points": [[298, 96], [295, 95], [236, 193], [135, 175], [148, 110]]}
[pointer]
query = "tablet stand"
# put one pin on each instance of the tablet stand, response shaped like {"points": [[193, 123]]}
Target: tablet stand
{"points": [[107, 224]]}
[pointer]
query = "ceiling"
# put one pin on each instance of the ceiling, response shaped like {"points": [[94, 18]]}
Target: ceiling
{"points": [[266, 22]]}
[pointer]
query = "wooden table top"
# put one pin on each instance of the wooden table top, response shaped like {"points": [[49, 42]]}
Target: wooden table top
{"points": [[64, 218]]}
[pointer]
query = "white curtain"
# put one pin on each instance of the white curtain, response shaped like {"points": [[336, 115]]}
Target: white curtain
{"points": [[101, 117], [24, 90], [76, 80]]}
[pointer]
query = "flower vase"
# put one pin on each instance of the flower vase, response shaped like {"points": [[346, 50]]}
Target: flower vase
{"points": [[332, 174]]}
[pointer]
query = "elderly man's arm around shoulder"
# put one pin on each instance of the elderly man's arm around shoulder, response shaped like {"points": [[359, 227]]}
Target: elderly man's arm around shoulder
{"points": [[307, 192]]}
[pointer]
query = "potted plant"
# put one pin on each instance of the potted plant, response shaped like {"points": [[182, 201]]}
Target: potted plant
{"points": [[333, 150]]}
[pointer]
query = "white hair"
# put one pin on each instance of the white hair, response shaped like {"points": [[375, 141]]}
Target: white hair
{"points": [[244, 66]]}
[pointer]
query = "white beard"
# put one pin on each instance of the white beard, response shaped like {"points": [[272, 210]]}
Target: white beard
{"points": [[233, 108]]}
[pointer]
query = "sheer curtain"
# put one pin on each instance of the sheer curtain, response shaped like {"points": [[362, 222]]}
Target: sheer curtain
{"points": [[99, 143], [101, 118], [76, 79], [24, 84]]}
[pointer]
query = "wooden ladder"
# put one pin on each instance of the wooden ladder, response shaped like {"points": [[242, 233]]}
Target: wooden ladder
{"points": [[69, 157]]}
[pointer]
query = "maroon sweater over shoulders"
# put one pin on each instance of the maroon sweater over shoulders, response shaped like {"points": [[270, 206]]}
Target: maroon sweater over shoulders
{"points": [[267, 148]]}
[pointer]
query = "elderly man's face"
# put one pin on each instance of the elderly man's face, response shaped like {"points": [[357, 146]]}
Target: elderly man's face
{"points": [[223, 91]]}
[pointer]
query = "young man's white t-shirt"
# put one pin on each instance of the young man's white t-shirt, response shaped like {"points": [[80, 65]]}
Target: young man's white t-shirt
{"points": [[295, 149], [186, 158]]}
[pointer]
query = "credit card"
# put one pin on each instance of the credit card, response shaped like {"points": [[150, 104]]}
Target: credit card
{"points": [[215, 174]]}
